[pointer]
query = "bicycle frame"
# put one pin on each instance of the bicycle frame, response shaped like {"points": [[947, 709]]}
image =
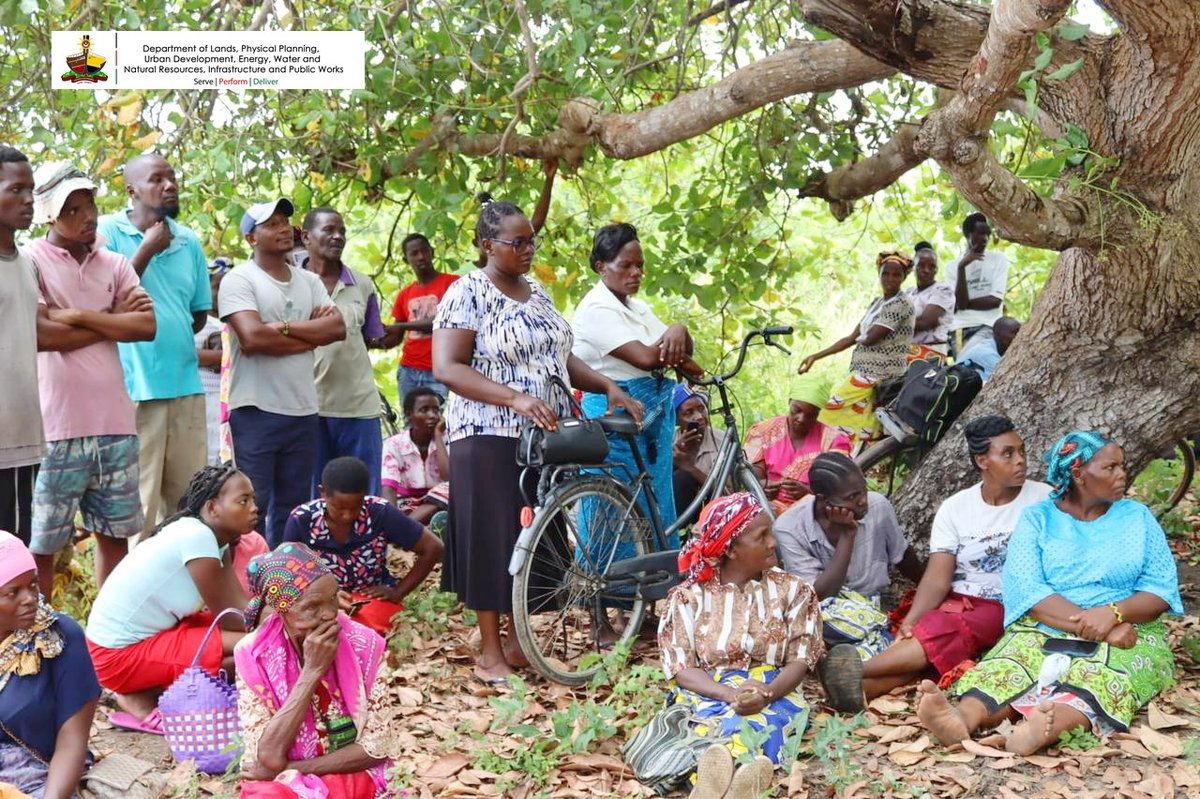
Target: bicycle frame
{"points": [[730, 460]]}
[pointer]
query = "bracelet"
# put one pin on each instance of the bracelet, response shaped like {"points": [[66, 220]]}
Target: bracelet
{"points": [[1117, 612], [287, 328]]}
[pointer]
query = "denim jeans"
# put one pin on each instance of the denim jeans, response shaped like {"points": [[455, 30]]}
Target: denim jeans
{"points": [[408, 378], [359, 438], [279, 454]]}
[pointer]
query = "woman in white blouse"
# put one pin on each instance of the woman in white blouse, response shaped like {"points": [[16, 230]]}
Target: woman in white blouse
{"points": [[620, 337]]}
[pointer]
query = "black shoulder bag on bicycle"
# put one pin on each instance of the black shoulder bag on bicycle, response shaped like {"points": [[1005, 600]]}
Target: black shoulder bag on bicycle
{"points": [[577, 439]]}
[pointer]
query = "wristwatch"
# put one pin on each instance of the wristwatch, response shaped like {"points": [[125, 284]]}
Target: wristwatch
{"points": [[287, 328]]}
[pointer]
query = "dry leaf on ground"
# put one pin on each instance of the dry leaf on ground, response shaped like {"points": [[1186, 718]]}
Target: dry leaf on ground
{"points": [[1160, 720], [976, 748], [1159, 743], [446, 766]]}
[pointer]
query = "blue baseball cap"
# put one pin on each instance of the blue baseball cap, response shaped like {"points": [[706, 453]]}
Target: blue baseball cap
{"points": [[257, 214]]}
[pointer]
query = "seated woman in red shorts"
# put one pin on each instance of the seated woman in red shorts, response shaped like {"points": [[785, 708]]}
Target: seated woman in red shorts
{"points": [[146, 624], [956, 614]]}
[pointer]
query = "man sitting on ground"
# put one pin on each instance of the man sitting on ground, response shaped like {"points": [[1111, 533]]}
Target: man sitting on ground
{"points": [[985, 355], [351, 531], [696, 446], [844, 539]]}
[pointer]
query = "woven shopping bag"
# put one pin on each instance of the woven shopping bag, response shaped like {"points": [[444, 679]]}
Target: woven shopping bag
{"points": [[200, 715]]}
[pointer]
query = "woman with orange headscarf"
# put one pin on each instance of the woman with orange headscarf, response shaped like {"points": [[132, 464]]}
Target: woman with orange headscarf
{"points": [[880, 342], [739, 634]]}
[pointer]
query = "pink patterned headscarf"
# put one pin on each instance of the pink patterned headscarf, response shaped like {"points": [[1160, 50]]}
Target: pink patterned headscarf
{"points": [[721, 523]]}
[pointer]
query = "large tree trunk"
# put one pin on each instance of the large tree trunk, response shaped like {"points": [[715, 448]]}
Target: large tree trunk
{"points": [[1112, 345]]}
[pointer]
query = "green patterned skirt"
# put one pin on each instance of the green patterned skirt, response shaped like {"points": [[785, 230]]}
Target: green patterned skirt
{"points": [[1114, 682]]}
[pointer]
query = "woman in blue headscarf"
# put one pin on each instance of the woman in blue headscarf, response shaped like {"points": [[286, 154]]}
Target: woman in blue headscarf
{"points": [[1087, 577]]}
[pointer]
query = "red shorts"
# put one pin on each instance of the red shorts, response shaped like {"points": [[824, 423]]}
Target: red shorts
{"points": [[157, 661], [376, 613], [961, 628], [356, 785]]}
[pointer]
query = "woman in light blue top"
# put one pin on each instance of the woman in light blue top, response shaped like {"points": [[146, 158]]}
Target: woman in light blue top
{"points": [[1087, 578]]}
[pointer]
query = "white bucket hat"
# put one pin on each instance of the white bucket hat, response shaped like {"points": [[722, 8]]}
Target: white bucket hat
{"points": [[53, 184]]}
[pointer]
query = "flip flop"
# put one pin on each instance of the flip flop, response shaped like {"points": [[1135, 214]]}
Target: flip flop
{"points": [[151, 725]]}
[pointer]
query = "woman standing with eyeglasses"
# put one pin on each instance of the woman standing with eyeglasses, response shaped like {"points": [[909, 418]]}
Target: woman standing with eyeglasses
{"points": [[498, 341]]}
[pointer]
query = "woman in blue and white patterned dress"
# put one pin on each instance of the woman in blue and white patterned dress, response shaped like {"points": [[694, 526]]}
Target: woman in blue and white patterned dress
{"points": [[497, 342]]}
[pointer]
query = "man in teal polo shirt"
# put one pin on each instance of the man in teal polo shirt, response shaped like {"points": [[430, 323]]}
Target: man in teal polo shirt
{"points": [[162, 375]]}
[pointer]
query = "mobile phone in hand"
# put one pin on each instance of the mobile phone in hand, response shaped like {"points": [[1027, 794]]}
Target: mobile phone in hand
{"points": [[1071, 647], [690, 426]]}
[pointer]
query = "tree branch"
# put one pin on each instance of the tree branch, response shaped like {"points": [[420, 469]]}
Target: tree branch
{"points": [[802, 67], [936, 41], [957, 135], [1018, 212], [865, 177], [713, 10]]}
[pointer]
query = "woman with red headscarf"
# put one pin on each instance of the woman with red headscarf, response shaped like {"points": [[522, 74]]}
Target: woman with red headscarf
{"points": [[738, 637]]}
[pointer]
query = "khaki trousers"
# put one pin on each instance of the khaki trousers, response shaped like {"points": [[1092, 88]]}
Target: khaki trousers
{"points": [[173, 439]]}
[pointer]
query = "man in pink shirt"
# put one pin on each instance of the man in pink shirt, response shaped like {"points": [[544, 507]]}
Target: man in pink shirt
{"points": [[88, 299]]}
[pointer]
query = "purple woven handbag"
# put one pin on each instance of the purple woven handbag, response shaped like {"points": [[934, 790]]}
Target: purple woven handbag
{"points": [[200, 715]]}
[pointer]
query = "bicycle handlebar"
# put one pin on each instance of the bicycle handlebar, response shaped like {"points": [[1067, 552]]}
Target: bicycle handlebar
{"points": [[766, 333]]}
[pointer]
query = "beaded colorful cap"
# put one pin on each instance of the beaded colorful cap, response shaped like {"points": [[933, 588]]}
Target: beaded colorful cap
{"points": [[281, 577]]}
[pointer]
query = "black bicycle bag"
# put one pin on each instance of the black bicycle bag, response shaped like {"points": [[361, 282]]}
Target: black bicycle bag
{"points": [[933, 396]]}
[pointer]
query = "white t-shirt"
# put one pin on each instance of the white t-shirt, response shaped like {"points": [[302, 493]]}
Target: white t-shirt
{"points": [[986, 277], [603, 323], [151, 589], [977, 534]]}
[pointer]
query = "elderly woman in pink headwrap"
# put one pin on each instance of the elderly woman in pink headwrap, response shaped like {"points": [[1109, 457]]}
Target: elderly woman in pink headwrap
{"points": [[739, 635], [48, 688], [312, 704]]}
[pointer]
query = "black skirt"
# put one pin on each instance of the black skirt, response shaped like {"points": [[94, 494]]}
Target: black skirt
{"points": [[485, 520]]}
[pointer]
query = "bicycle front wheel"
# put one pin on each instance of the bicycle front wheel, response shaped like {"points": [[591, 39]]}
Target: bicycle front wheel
{"points": [[566, 610]]}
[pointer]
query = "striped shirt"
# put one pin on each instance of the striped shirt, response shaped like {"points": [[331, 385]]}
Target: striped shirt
{"points": [[768, 622]]}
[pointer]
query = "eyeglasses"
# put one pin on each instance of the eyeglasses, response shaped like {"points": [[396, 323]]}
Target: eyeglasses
{"points": [[520, 244]]}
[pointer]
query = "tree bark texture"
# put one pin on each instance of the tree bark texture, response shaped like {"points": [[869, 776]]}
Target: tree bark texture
{"points": [[1112, 343]]}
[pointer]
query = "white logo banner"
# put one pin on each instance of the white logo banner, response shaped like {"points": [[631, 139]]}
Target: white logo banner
{"points": [[207, 60]]}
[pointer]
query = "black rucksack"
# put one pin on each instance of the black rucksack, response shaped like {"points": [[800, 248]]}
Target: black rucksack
{"points": [[933, 396]]}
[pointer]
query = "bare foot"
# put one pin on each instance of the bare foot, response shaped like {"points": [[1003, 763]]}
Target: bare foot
{"points": [[513, 655], [939, 716], [1036, 732], [140, 704]]}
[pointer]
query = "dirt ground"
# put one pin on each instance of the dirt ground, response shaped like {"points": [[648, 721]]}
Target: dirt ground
{"points": [[463, 739]]}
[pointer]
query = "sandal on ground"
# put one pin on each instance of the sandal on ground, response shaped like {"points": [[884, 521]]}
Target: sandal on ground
{"points": [[841, 673], [714, 772], [752, 779], [152, 724]]}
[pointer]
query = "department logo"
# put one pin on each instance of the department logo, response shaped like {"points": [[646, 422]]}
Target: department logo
{"points": [[86, 66]]}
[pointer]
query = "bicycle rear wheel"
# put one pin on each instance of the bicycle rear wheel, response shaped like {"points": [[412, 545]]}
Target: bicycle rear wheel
{"points": [[1177, 471], [565, 609], [884, 453]]}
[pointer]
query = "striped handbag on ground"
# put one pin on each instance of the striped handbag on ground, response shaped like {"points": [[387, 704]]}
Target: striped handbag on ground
{"points": [[200, 715], [664, 753]]}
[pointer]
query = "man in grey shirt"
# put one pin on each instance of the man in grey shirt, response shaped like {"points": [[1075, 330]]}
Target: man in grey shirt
{"points": [[278, 315], [844, 540], [21, 438]]}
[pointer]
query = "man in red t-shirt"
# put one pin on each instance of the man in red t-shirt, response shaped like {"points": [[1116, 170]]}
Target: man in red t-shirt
{"points": [[414, 310]]}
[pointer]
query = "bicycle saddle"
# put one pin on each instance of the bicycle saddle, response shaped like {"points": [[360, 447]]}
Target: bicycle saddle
{"points": [[621, 424]]}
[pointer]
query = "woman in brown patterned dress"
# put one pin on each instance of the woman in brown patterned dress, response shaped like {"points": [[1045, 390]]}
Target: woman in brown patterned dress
{"points": [[740, 633]]}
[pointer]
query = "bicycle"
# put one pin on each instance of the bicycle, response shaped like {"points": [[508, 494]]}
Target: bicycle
{"points": [[568, 583], [900, 445]]}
